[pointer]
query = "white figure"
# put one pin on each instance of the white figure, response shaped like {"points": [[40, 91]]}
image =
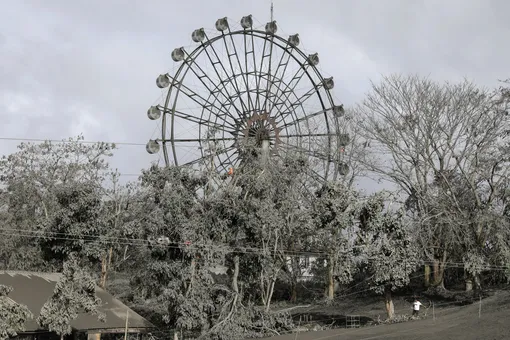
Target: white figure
{"points": [[416, 307]]}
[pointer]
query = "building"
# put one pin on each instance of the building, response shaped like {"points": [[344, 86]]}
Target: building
{"points": [[34, 289], [302, 265]]}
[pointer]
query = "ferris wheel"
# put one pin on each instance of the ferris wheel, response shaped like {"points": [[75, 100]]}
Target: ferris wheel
{"points": [[241, 85]]}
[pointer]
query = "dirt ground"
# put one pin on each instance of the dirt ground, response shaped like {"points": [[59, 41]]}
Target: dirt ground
{"points": [[446, 320]]}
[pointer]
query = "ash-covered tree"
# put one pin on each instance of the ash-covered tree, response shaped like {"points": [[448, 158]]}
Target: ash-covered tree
{"points": [[31, 178], [191, 237], [74, 293], [88, 220], [389, 254], [432, 139], [174, 274], [335, 212], [275, 216], [293, 206], [12, 315], [116, 218], [74, 225], [257, 211]]}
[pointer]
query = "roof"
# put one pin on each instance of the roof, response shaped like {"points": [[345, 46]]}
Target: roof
{"points": [[34, 289]]}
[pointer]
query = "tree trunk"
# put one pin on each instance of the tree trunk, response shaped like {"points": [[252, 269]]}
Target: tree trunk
{"points": [[267, 283], [270, 293], [427, 276], [330, 290], [478, 282], [293, 292], [294, 275], [235, 275], [192, 278], [263, 296], [388, 302], [438, 274], [469, 285], [473, 282], [105, 265]]}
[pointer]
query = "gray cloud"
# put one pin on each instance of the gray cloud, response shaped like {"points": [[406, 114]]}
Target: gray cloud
{"points": [[90, 66]]}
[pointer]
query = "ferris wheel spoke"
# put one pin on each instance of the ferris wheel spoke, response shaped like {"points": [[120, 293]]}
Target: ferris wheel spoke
{"points": [[199, 120], [299, 120], [228, 162], [302, 150], [269, 84], [255, 107], [284, 101], [260, 75], [247, 71], [214, 89], [282, 94], [223, 80], [195, 161], [205, 158], [276, 80], [225, 151], [234, 76], [244, 74], [299, 135], [199, 140], [205, 103], [299, 102]]}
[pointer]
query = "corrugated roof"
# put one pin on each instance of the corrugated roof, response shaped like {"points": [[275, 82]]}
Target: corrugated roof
{"points": [[33, 290]]}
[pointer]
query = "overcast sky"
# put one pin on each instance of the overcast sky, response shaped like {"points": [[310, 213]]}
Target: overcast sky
{"points": [[89, 66]]}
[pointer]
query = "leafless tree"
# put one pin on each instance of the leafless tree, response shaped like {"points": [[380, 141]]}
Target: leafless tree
{"points": [[445, 146]]}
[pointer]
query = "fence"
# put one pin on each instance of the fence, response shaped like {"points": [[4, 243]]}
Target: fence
{"points": [[352, 321]]}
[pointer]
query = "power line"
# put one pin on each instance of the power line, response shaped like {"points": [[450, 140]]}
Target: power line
{"points": [[17, 139], [38, 140], [137, 242], [66, 141]]}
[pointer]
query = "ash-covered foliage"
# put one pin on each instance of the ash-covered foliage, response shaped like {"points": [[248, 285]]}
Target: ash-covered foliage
{"points": [[74, 293], [12, 315], [390, 254]]}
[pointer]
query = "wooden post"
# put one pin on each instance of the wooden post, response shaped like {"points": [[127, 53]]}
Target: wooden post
{"points": [[433, 312], [299, 328], [480, 308], [126, 330]]}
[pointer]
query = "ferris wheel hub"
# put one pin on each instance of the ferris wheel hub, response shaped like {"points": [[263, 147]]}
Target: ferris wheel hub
{"points": [[262, 128]]}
